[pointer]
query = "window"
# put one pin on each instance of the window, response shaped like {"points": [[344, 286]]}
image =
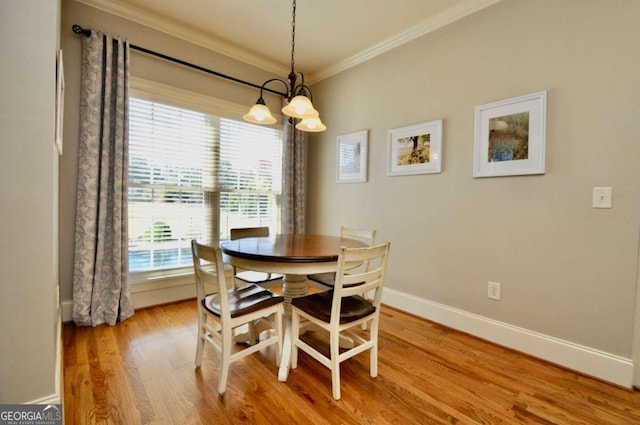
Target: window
{"points": [[195, 175]]}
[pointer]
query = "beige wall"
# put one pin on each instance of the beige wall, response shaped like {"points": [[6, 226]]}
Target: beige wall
{"points": [[145, 67], [29, 322], [568, 271]]}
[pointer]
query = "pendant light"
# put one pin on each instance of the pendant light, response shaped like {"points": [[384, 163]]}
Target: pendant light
{"points": [[298, 97]]}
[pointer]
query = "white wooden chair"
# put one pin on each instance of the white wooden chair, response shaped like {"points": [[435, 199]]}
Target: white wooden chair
{"points": [[230, 307], [251, 276], [341, 309], [328, 279]]}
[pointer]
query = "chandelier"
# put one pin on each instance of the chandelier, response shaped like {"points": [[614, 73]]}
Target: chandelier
{"points": [[298, 97]]}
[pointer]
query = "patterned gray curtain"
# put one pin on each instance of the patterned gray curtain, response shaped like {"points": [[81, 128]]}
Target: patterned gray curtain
{"points": [[294, 179], [101, 293]]}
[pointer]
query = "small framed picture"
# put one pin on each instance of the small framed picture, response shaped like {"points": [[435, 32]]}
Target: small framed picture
{"points": [[416, 149], [351, 157], [510, 136]]}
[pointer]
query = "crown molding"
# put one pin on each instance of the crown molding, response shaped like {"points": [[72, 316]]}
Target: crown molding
{"points": [[438, 21], [167, 26], [118, 8]]}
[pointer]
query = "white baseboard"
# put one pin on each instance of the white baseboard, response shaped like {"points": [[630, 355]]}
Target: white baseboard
{"points": [[59, 382], [67, 310], [51, 399], [143, 299], [586, 360]]}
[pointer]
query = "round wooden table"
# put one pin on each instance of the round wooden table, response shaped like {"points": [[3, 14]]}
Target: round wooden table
{"points": [[293, 255]]}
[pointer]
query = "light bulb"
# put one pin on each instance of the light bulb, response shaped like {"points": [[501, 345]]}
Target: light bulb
{"points": [[259, 114], [300, 107], [312, 125]]}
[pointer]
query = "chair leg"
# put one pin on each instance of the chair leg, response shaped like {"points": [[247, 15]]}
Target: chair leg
{"points": [[373, 362], [373, 359], [200, 345], [278, 322], [295, 335], [335, 364], [225, 360]]}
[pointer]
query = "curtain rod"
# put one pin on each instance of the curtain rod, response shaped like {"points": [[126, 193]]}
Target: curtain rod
{"points": [[87, 33]]}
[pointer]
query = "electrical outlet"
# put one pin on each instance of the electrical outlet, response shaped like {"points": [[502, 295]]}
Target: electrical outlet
{"points": [[495, 291], [602, 197]]}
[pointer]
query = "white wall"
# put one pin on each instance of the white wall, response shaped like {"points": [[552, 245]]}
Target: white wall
{"points": [[568, 271], [28, 202]]}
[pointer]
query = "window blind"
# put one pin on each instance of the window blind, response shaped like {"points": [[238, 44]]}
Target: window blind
{"points": [[193, 175]]}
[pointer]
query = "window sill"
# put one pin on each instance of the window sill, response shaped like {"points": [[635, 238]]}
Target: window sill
{"points": [[139, 284], [148, 282]]}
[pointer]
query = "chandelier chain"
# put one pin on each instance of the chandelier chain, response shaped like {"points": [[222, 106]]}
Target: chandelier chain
{"points": [[293, 35]]}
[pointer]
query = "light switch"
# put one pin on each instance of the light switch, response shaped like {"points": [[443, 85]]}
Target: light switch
{"points": [[602, 197]]}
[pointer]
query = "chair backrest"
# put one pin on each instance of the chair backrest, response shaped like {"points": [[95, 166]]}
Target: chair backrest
{"points": [[248, 232], [363, 235], [349, 283], [209, 268], [366, 236]]}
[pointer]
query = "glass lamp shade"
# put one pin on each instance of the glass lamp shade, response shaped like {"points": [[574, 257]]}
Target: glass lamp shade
{"points": [[300, 107], [313, 125], [259, 114]]}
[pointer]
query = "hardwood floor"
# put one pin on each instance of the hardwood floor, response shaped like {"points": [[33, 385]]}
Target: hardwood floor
{"points": [[141, 372]]}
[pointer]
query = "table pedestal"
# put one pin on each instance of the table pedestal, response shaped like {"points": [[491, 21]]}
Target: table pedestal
{"points": [[293, 285]]}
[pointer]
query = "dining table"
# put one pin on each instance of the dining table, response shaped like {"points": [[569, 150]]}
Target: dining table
{"points": [[293, 255]]}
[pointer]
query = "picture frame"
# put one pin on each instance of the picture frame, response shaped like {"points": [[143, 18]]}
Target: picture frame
{"points": [[351, 157], [416, 149], [59, 106], [510, 136]]}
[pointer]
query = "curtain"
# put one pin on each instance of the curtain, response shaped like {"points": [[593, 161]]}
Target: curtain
{"points": [[293, 179], [101, 293]]}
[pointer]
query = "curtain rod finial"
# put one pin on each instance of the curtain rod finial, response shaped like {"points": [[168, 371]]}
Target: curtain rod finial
{"points": [[79, 30]]}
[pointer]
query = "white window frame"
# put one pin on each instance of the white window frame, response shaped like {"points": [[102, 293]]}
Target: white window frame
{"points": [[161, 93]]}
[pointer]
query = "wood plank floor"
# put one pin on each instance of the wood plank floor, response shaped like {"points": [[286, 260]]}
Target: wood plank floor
{"points": [[141, 372]]}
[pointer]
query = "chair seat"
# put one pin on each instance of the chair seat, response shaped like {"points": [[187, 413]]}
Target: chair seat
{"points": [[257, 277], [327, 279], [319, 306], [243, 300]]}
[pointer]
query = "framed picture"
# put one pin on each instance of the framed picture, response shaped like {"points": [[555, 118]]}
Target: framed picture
{"points": [[416, 149], [510, 136], [351, 157], [59, 117]]}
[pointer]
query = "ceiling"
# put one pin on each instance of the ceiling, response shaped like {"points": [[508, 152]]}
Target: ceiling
{"points": [[331, 35]]}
